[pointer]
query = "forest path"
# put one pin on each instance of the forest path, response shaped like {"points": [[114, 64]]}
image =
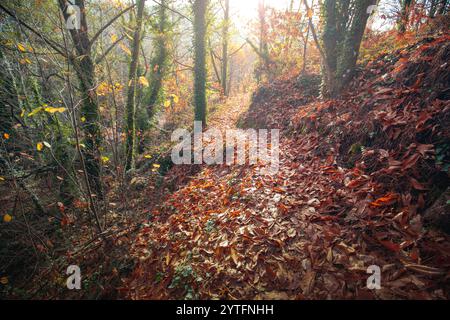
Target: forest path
{"points": [[235, 233]]}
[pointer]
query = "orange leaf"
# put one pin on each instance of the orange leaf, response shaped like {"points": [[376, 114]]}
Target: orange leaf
{"points": [[387, 200]]}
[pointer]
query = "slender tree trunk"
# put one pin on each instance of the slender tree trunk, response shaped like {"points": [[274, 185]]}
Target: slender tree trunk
{"points": [[200, 8], [90, 115], [305, 48], [158, 63], [131, 98], [85, 70], [213, 62], [225, 36], [263, 46]]}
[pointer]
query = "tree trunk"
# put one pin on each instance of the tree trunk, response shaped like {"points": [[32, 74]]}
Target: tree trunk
{"points": [[85, 70], [158, 63], [225, 36], [200, 7], [263, 46], [404, 15], [131, 97], [352, 44], [342, 41], [305, 48]]}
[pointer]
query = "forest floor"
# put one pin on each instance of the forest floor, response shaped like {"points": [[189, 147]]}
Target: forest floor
{"points": [[355, 178], [359, 179]]}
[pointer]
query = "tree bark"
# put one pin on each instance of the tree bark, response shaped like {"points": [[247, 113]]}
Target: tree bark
{"points": [[200, 7], [225, 36], [85, 70], [263, 46], [344, 27], [158, 63], [352, 44], [131, 97]]}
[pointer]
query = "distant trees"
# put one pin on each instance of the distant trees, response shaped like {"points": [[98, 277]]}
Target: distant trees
{"points": [[200, 73], [439, 7], [413, 13]]}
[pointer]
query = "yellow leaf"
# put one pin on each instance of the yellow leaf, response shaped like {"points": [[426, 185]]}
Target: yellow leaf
{"points": [[2, 179], [125, 49], [40, 146], [168, 103], [105, 160], [114, 38], [4, 280], [7, 218], [147, 156], [156, 166], [54, 110], [21, 47], [35, 111], [6, 136], [83, 119], [143, 81], [175, 98], [25, 61], [22, 114]]}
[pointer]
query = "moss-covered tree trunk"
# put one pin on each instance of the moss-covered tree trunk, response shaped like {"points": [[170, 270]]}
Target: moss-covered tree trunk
{"points": [[131, 96], [200, 7], [158, 64], [85, 70], [90, 115], [330, 42], [344, 26], [351, 45], [8, 99]]}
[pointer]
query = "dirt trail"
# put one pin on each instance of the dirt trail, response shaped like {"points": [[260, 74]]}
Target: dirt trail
{"points": [[233, 233]]}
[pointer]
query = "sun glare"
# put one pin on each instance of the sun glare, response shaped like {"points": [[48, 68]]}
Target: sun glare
{"points": [[245, 11]]}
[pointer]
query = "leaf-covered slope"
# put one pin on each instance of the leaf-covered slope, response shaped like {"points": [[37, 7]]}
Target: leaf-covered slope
{"points": [[356, 178]]}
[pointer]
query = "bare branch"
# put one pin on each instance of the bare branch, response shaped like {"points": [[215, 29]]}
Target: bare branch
{"points": [[99, 32], [51, 43], [103, 56]]}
